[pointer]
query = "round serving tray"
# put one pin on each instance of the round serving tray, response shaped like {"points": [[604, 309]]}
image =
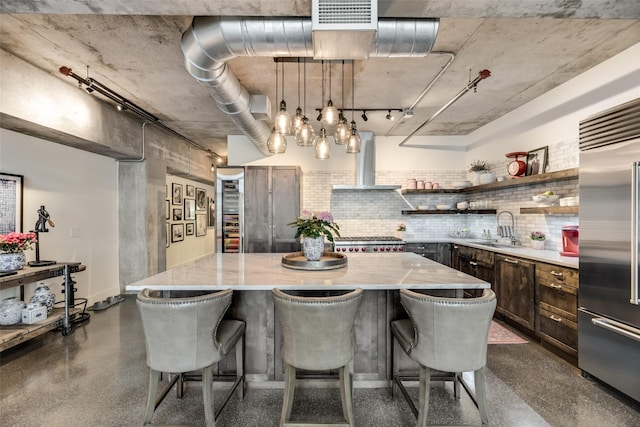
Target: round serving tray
{"points": [[328, 261]]}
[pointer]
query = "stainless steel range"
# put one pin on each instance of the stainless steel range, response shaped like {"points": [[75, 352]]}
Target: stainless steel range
{"points": [[373, 244]]}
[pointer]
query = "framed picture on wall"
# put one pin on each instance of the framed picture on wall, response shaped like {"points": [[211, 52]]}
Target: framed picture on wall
{"points": [[189, 209], [212, 213], [177, 233], [201, 199], [10, 203], [177, 214], [176, 193], [167, 235], [191, 191], [167, 210], [189, 228], [537, 161], [201, 224]]}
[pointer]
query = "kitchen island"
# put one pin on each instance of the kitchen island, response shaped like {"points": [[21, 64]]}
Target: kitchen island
{"points": [[252, 276]]}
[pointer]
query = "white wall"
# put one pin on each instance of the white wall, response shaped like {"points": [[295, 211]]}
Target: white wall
{"points": [[192, 246], [79, 190]]}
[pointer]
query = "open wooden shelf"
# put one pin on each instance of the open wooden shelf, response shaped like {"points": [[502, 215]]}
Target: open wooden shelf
{"points": [[552, 210], [450, 212]]}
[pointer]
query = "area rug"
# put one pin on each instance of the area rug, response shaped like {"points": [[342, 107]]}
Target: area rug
{"points": [[498, 334]]}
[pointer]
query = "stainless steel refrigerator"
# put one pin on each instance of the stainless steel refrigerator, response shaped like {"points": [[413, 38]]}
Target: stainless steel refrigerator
{"points": [[609, 311], [230, 209]]}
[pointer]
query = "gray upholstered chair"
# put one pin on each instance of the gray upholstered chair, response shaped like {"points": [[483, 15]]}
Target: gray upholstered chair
{"points": [[317, 334], [448, 335], [188, 334]]}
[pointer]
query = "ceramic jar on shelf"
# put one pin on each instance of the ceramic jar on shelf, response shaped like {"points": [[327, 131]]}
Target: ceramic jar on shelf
{"points": [[12, 261], [44, 296], [11, 311]]}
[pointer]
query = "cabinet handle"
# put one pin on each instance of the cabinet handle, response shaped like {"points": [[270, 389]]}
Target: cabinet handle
{"points": [[555, 318], [554, 286], [512, 261], [473, 263], [559, 275]]}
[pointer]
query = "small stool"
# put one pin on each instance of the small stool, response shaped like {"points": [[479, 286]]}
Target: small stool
{"points": [[187, 334], [317, 334]]}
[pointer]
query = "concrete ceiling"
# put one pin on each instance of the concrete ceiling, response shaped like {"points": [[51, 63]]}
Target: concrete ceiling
{"points": [[133, 47]]}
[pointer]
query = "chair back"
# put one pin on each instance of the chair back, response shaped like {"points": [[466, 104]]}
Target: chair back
{"points": [[180, 334], [317, 332], [450, 334]]}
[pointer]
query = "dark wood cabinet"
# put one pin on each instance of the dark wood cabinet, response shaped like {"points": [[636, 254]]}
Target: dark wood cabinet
{"points": [[438, 252], [272, 200], [474, 262], [515, 289], [557, 306]]}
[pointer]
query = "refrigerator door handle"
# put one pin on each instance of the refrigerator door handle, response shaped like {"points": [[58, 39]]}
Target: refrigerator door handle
{"points": [[635, 211], [617, 327]]}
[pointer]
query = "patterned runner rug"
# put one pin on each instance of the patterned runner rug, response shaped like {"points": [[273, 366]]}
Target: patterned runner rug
{"points": [[498, 334]]}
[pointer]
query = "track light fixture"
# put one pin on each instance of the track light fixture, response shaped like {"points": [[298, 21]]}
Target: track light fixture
{"points": [[390, 116], [364, 116]]}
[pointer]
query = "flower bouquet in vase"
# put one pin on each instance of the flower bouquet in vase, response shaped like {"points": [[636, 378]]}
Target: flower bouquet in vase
{"points": [[313, 228], [12, 247], [537, 239]]}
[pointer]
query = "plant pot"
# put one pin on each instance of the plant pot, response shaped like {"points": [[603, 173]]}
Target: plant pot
{"points": [[313, 247], [487, 178], [537, 244], [12, 261]]}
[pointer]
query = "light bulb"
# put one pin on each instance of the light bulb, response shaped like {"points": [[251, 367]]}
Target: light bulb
{"points": [[277, 142], [305, 135], [330, 114], [283, 119], [323, 147], [297, 120]]}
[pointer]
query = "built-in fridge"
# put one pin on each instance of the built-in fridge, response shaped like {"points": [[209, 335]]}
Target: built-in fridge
{"points": [[229, 212], [609, 310]]}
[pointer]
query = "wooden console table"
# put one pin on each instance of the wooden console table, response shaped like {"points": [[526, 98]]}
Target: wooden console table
{"points": [[60, 317]]}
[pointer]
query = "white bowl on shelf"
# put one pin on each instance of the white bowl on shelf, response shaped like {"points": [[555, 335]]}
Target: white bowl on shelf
{"points": [[569, 201], [461, 184], [443, 207], [544, 200]]}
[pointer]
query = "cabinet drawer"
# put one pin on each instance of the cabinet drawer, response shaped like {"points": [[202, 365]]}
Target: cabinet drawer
{"points": [[558, 331], [558, 299], [553, 274]]}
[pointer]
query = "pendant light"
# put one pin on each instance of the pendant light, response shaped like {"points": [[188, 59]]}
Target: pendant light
{"points": [[297, 119], [282, 119], [329, 113], [343, 131], [323, 147], [353, 143], [305, 135], [277, 142]]}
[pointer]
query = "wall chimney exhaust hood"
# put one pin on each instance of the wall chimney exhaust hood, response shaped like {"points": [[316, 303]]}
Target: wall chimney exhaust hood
{"points": [[365, 168]]}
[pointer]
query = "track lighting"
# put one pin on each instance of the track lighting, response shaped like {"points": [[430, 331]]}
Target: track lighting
{"points": [[364, 116], [119, 107], [390, 116], [319, 116]]}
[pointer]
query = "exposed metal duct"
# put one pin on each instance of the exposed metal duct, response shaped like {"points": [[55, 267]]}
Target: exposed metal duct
{"points": [[211, 41]]}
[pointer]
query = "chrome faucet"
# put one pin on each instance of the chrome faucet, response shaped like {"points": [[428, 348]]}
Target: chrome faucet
{"points": [[508, 230]]}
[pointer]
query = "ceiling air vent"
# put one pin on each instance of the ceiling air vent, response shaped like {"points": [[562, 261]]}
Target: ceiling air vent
{"points": [[343, 29]]}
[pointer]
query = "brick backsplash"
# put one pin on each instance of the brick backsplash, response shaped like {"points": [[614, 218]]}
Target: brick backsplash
{"points": [[378, 212]]}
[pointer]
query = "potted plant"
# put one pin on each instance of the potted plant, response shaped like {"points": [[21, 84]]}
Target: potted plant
{"points": [[537, 239], [314, 227], [12, 247], [481, 174], [400, 230]]}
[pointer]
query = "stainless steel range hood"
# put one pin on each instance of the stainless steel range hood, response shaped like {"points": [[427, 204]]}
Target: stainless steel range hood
{"points": [[366, 167]]}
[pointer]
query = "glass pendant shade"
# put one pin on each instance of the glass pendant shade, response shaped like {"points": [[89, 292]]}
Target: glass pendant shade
{"points": [[297, 120], [323, 147], [305, 135], [283, 119], [353, 144], [277, 142], [343, 131], [330, 114]]}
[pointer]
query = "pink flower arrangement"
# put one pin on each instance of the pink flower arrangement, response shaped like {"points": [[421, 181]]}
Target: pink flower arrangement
{"points": [[16, 242], [537, 235], [311, 224]]}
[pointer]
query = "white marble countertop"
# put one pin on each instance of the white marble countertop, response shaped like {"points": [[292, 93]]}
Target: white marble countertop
{"points": [[265, 271], [552, 257]]}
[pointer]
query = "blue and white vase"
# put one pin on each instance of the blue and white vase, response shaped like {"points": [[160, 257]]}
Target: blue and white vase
{"points": [[11, 311], [313, 247], [44, 296], [12, 261]]}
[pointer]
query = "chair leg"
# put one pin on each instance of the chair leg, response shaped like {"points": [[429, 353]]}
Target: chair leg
{"points": [[346, 394], [395, 372], [423, 402], [207, 396], [240, 366], [289, 388], [154, 379], [456, 384], [481, 395]]}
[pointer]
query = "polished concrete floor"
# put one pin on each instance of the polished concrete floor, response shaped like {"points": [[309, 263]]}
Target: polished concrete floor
{"points": [[97, 377]]}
